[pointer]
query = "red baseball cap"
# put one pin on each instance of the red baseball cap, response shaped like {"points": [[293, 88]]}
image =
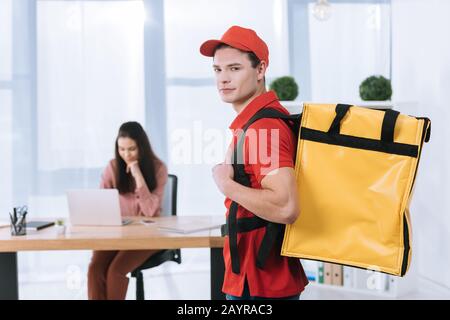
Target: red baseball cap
{"points": [[239, 38]]}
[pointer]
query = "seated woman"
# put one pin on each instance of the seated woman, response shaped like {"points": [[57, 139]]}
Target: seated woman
{"points": [[140, 178]]}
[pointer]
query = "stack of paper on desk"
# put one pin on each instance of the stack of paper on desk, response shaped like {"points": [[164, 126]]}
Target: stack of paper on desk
{"points": [[4, 224], [187, 226]]}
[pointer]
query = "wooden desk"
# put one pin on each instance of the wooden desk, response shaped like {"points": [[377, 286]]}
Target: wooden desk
{"points": [[135, 236]]}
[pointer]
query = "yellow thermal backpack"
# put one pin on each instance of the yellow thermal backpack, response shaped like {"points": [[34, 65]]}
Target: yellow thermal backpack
{"points": [[355, 170]]}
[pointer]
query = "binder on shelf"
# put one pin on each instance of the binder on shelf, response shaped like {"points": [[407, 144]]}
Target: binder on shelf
{"points": [[336, 274], [328, 273], [320, 273]]}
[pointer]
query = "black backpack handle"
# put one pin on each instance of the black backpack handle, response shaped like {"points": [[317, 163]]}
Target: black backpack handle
{"points": [[387, 128]]}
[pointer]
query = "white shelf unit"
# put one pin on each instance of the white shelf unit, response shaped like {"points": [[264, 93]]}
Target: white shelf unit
{"points": [[360, 281]]}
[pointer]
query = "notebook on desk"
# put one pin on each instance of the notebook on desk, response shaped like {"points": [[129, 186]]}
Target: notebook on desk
{"points": [[4, 224], [38, 225]]}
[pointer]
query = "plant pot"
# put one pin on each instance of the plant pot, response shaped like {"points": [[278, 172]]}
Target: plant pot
{"points": [[60, 229]]}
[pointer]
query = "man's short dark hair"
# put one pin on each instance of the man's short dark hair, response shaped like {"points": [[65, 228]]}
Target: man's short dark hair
{"points": [[254, 60]]}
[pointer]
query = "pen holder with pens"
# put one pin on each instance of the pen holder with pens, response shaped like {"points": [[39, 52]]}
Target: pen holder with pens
{"points": [[19, 221]]}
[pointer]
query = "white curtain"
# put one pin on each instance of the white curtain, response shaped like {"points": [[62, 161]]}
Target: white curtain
{"points": [[6, 107], [90, 79], [6, 141], [76, 75]]}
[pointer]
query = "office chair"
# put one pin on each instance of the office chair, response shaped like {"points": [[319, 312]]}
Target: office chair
{"points": [[169, 207]]}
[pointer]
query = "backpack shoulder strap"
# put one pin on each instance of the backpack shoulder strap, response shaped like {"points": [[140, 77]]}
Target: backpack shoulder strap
{"points": [[293, 122], [273, 231], [275, 114]]}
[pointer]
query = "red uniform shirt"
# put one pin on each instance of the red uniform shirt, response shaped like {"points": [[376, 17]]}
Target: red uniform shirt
{"points": [[275, 145]]}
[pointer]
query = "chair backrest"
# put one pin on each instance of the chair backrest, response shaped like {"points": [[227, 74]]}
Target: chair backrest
{"points": [[168, 208], [169, 205]]}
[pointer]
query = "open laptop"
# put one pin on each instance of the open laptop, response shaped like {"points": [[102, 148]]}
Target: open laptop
{"points": [[95, 207]]}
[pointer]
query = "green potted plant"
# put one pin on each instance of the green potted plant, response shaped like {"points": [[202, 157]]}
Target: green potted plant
{"points": [[375, 88], [285, 87]]}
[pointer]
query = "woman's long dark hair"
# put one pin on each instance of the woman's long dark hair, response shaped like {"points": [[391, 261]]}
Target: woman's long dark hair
{"points": [[146, 160]]}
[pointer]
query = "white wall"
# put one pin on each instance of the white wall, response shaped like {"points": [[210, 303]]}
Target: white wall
{"points": [[421, 74], [355, 32]]}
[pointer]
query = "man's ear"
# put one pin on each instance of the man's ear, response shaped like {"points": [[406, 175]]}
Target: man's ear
{"points": [[261, 69]]}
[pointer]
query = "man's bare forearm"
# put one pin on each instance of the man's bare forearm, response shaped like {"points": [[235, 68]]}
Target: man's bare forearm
{"points": [[264, 203]]}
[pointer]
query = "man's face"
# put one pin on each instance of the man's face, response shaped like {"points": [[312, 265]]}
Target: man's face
{"points": [[236, 79]]}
